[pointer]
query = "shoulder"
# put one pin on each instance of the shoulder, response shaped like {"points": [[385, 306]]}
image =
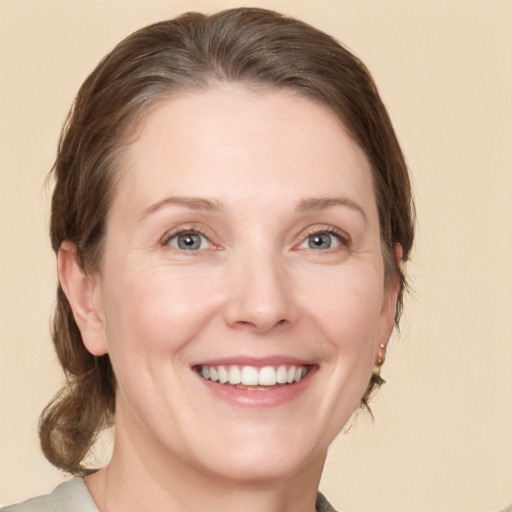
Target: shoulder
{"points": [[37, 504], [322, 505], [73, 496], [70, 496]]}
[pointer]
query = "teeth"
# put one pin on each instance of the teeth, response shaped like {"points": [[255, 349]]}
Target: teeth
{"points": [[281, 375], [214, 375], [223, 375], [250, 376], [267, 376], [234, 375], [253, 376]]}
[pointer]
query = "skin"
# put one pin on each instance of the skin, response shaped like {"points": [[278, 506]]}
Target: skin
{"points": [[255, 288]]}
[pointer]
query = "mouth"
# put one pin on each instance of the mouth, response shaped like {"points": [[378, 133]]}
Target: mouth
{"points": [[253, 377]]}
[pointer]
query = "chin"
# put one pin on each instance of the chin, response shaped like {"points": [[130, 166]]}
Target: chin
{"points": [[266, 454], [264, 467]]}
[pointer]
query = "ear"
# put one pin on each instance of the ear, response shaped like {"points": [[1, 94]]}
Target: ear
{"points": [[388, 307], [84, 295]]}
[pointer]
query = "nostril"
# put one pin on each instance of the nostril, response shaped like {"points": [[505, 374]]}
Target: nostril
{"points": [[245, 323], [259, 325]]}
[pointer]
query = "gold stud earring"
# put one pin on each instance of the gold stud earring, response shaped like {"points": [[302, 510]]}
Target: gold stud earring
{"points": [[381, 357]]}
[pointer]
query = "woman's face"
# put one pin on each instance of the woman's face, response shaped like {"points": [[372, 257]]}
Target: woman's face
{"points": [[243, 243]]}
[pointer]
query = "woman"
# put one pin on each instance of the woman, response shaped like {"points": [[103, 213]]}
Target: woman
{"points": [[231, 214]]}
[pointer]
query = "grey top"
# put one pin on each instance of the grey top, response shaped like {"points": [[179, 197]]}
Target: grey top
{"points": [[70, 496], [73, 496]]}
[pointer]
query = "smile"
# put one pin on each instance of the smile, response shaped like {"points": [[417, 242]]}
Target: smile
{"points": [[252, 377]]}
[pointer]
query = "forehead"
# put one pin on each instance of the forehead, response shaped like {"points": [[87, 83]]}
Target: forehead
{"points": [[234, 140]]}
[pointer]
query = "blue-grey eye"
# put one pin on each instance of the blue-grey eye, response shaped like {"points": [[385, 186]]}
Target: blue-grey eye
{"points": [[321, 241], [189, 241]]}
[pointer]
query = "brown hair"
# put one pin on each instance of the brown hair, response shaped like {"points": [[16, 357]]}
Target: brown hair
{"points": [[251, 46]]}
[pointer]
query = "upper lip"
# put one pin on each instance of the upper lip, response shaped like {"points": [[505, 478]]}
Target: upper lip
{"points": [[276, 360]]}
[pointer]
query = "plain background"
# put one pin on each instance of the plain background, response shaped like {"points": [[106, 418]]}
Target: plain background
{"points": [[442, 437]]}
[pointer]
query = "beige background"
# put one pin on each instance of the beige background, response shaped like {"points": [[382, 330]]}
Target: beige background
{"points": [[442, 440]]}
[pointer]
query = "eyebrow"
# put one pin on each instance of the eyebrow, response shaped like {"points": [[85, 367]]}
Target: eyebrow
{"points": [[322, 203], [192, 203], [213, 205]]}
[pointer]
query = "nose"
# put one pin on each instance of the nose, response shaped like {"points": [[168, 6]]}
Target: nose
{"points": [[261, 296]]}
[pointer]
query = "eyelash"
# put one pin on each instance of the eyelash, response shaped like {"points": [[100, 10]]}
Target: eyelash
{"points": [[341, 237], [184, 231]]}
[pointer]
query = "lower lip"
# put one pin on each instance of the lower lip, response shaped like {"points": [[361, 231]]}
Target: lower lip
{"points": [[272, 397]]}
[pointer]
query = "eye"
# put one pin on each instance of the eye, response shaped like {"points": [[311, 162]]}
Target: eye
{"points": [[188, 241], [321, 240]]}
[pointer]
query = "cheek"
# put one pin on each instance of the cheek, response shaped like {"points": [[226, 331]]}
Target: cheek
{"points": [[347, 313], [150, 321], [347, 305], [153, 312]]}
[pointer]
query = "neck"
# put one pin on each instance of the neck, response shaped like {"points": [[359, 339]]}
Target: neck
{"points": [[140, 479]]}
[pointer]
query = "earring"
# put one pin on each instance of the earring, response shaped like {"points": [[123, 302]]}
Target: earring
{"points": [[381, 356]]}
